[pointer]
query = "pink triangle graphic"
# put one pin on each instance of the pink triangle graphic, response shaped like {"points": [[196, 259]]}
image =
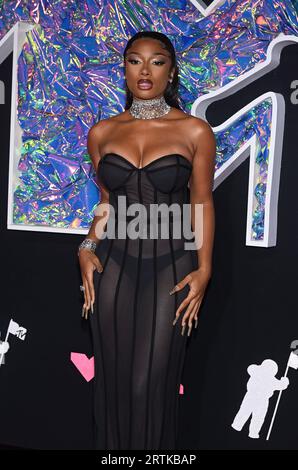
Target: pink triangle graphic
{"points": [[84, 365]]}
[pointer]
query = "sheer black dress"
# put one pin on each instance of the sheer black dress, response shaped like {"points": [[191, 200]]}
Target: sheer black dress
{"points": [[138, 353]]}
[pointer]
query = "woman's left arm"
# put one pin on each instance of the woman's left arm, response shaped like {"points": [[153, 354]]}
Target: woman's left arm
{"points": [[201, 193]]}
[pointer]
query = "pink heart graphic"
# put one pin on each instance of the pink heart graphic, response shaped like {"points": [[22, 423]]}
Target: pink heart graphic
{"points": [[84, 365]]}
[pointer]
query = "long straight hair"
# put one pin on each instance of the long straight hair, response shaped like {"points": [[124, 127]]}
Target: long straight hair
{"points": [[171, 94]]}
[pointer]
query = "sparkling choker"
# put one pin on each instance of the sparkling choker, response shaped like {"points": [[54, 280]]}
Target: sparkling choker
{"points": [[149, 109]]}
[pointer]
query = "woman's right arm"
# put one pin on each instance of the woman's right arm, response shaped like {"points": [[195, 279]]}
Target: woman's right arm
{"points": [[87, 259]]}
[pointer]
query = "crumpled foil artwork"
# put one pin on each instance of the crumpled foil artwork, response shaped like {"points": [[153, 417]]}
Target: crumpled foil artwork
{"points": [[71, 75]]}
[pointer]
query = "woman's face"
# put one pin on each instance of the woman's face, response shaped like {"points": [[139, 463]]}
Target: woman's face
{"points": [[148, 61]]}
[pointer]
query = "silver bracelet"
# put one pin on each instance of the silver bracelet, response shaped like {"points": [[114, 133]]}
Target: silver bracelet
{"points": [[88, 244]]}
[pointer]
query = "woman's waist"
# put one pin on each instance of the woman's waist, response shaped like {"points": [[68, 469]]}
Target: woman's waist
{"points": [[149, 217]]}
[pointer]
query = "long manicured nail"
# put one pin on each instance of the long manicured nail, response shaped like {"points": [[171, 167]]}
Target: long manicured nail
{"points": [[172, 291], [189, 330], [92, 308], [183, 329], [175, 321], [196, 323]]}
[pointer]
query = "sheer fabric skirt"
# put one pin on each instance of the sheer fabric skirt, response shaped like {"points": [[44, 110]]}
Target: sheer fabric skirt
{"points": [[139, 354]]}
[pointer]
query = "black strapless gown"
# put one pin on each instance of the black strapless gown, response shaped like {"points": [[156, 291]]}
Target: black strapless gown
{"points": [[139, 354]]}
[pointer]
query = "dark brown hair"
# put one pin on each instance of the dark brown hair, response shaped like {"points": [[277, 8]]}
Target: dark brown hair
{"points": [[171, 92]]}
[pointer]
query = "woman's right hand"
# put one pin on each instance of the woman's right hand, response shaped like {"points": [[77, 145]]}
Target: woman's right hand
{"points": [[88, 263]]}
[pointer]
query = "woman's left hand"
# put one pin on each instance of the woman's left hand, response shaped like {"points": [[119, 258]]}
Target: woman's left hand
{"points": [[197, 281]]}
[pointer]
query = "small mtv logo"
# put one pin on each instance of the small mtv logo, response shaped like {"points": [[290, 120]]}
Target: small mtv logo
{"points": [[13, 329]]}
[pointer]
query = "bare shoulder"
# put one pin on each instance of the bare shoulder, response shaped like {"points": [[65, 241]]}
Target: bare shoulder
{"points": [[100, 132], [195, 125], [106, 125], [99, 128], [95, 137], [199, 126], [201, 134]]}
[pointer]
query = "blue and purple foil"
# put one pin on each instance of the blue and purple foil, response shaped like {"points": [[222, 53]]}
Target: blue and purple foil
{"points": [[70, 75]]}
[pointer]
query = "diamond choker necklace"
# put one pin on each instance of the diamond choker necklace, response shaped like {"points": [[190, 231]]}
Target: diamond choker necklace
{"points": [[149, 109]]}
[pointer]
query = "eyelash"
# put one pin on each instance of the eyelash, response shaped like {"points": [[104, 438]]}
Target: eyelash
{"points": [[135, 60]]}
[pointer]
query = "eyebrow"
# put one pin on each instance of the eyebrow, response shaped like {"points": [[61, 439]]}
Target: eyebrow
{"points": [[153, 53]]}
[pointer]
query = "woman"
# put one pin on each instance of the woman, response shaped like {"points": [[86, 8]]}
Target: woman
{"points": [[147, 155]]}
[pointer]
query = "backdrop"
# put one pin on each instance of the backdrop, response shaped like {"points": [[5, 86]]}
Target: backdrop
{"points": [[248, 327]]}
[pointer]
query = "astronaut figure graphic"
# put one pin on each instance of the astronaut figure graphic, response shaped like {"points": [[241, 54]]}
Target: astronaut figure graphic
{"points": [[260, 387], [4, 347]]}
